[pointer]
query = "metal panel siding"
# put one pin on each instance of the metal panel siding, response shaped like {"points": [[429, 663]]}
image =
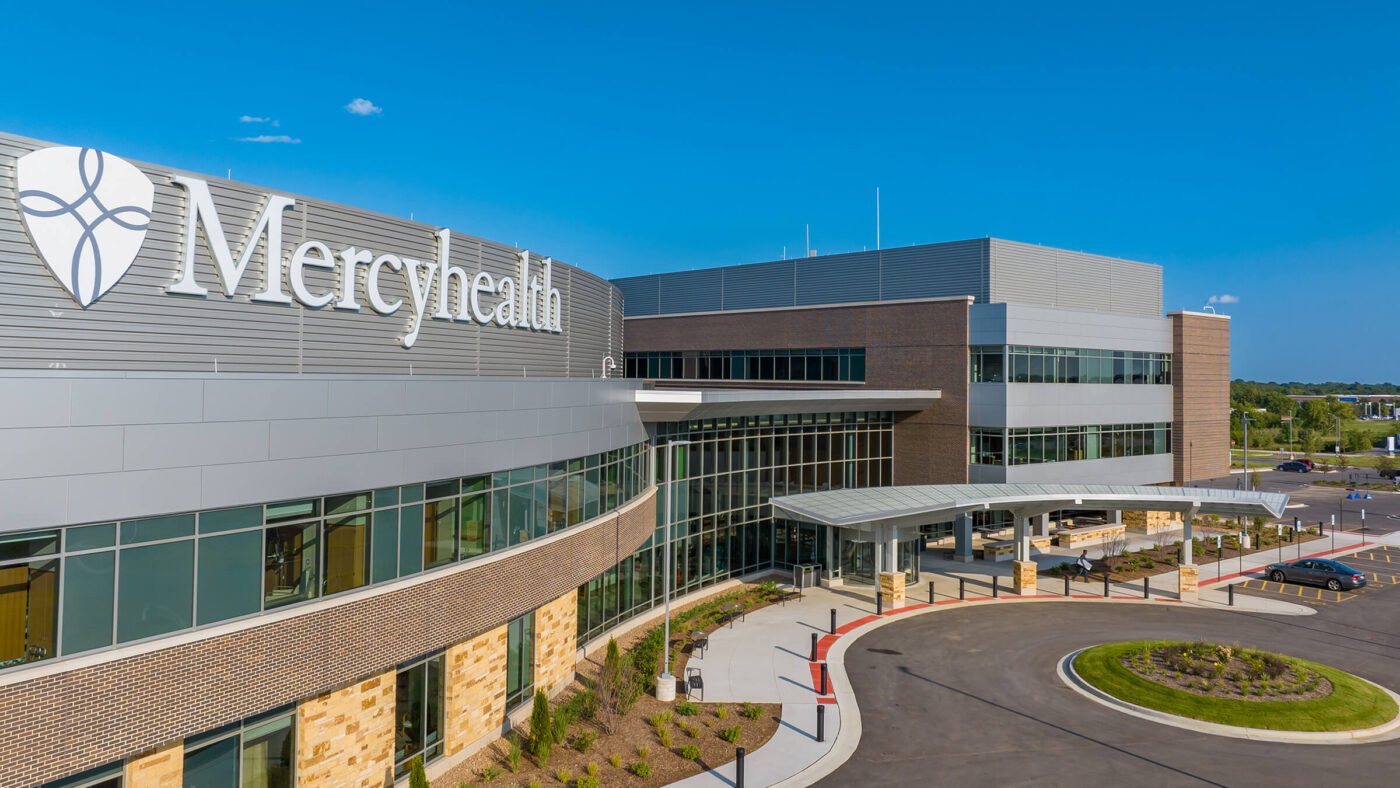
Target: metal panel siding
{"points": [[1028, 274], [957, 268], [1137, 288], [640, 294], [760, 286], [691, 291], [137, 326], [837, 278]]}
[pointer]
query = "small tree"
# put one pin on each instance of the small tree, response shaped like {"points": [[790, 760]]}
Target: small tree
{"points": [[1385, 466], [541, 729], [417, 778], [1254, 479], [1114, 545], [609, 688]]}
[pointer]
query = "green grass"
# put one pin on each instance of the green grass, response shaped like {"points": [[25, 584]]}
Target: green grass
{"points": [[1353, 704]]}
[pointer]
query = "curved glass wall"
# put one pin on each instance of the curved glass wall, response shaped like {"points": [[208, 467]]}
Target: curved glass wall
{"points": [[71, 590], [723, 525]]}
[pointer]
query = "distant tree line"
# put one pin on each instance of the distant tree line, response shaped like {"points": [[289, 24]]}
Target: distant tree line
{"points": [[1315, 389], [1314, 421]]}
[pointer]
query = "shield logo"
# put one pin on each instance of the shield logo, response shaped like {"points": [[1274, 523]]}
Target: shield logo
{"points": [[86, 213]]}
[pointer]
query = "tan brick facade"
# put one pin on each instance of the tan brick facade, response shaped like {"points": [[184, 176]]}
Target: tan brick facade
{"points": [[163, 767], [892, 589], [1151, 522], [1200, 396], [1188, 581], [168, 694], [475, 702], [1023, 577], [345, 739], [910, 345], [556, 642]]}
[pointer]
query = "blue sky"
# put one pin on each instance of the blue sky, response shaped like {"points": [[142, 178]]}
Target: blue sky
{"points": [[1248, 148]]}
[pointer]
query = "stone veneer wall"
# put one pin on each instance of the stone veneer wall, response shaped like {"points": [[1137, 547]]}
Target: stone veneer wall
{"points": [[167, 694], [345, 738], [475, 703], [1200, 396], [556, 643], [163, 767]]}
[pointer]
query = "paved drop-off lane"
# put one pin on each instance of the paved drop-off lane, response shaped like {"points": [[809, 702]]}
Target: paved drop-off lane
{"points": [[972, 699]]}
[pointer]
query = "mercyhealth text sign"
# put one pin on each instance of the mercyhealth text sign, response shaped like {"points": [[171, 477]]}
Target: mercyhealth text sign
{"points": [[87, 212]]}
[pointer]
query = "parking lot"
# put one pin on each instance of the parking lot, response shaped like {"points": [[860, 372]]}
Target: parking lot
{"points": [[1380, 564]]}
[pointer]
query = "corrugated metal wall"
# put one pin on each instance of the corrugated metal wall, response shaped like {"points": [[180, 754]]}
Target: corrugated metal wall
{"points": [[1042, 275], [137, 326]]}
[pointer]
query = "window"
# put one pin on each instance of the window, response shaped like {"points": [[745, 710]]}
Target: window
{"points": [[520, 661], [816, 364], [28, 597], [1026, 364], [109, 776], [1030, 445], [289, 564], [257, 753], [418, 703], [347, 552]]}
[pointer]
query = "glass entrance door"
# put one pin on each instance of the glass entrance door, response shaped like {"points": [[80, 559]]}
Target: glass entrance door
{"points": [[858, 562]]}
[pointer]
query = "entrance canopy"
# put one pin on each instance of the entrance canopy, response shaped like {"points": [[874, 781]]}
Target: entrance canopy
{"points": [[872, 507]]}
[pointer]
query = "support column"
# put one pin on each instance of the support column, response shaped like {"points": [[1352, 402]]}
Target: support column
{"points": [[892, 590], [962, 538], [1023, 538], [1115, 516], [1042, 524], [1187, 573], [892, 549], [1023, 577]]}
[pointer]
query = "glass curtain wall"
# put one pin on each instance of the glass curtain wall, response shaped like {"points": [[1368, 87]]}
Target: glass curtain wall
{"points": [[75, 589], [723, 525], [1033, 445], [814, 364], [1027, 364]]}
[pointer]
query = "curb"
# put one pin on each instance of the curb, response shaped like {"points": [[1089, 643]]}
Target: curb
{"points": [[1384, 732]]}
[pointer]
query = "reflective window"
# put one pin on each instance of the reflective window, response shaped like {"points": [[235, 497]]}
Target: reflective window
{"points": [[816, 364], [258, 753], [520, 661], [1028, 364], [155, 589], [289, 564], [418, 704], [347, 552], [28, 598], [1034, 445]]}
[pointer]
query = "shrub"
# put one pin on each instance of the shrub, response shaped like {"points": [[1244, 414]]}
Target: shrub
{"points": [[730, 734], [513, 754], [615, 760], [535, 783], [541, 729], [722, 712], [752, 711], [665, 734], [665, 716], [592, 769], [610, 685], [641, 769], [687, 709], [692, 731], [690, 752], [490, 773], [561, 726], [643, 752], [417, 778], [656, 720], [563, 776], [584, 741], [587, 782]]}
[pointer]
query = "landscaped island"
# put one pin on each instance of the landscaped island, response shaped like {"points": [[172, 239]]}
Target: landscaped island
{"points": [[1230, 685]]}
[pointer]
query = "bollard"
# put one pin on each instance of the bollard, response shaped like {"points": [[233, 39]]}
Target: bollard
{"points": [[814, 648], [1105, 585], [879, 603], [1146, 587], [1231, 589], [821, 722], [1066, 585], [930, 592], [738, 767], [962, 588], [833, 621], [826, 689], [995, 588]]}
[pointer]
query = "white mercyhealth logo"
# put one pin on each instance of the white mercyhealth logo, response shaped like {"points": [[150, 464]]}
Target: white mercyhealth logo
{"points": [[87, 214]]}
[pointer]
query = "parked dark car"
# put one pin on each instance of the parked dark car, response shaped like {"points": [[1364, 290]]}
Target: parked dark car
{"points": [[1317, 571], [1389, 473], [1297, 466]]}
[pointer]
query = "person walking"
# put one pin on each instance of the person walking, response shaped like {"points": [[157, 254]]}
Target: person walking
{"points": [[1082, 566]]}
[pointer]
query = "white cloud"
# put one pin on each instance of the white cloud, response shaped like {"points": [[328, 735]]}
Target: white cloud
{"points": [[251, 119], [1224, 299], [363, 107], [283, 138]]}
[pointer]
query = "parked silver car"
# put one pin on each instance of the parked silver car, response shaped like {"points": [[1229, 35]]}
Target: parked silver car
{"points": [[1317, 571]]}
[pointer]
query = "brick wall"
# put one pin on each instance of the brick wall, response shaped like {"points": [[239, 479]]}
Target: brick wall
{"points": [[556, 642], [1200, 396], [163, 767], [165, 695], [345, 738], [475, 703], [913, 345]]}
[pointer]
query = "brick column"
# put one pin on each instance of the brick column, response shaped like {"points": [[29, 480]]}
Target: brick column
{"points": [[892, 589], [556, 643], [1187, 579], [475, 702], [163, 767], [346, 737]]}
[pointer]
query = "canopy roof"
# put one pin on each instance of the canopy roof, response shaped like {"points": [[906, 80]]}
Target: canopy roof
{"points": [[932, 503]]}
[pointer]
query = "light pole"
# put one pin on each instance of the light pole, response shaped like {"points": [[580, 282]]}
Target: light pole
{"points": [[666, 683], [1291, 414], [1245, 419], [1338, 445]]}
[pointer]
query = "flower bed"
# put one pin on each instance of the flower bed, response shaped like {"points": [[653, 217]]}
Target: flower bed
{"points": [[1250, 689]]}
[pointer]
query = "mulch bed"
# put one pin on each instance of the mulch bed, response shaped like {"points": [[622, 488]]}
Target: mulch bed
{"points": [[1215, 671], [1164, 557]]}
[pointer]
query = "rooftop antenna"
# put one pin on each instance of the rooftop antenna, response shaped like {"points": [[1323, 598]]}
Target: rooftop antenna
{"points": [[784, 252], [877, 218], [809, 240], [230, 173]]}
